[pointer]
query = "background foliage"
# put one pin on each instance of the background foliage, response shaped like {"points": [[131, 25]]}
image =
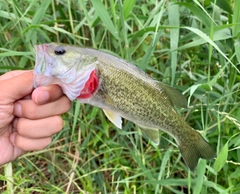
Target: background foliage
{"points": [[190, 45]]}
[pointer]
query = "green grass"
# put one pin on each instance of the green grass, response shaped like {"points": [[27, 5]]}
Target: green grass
{"points": [[191, 45]]}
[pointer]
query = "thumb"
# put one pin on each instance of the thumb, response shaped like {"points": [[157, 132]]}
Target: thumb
{"points": [[16, 87]]}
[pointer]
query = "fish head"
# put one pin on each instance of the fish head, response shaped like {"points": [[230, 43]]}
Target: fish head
{"points": [[66, 66]]}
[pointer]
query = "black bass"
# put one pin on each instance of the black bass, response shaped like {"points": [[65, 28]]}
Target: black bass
{"points": [[123, 91]]}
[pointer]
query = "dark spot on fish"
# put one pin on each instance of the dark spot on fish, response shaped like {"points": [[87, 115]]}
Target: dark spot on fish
{"points": [[59, 50]]}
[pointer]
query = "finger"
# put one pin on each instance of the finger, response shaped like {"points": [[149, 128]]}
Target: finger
{"points": [[28, 109], [16, 87], [11, 74], [36, 129], [8, 152], [27, 144], [46, 94]]}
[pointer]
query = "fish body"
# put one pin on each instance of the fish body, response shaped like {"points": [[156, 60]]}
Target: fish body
{"points": [[123, 91]]}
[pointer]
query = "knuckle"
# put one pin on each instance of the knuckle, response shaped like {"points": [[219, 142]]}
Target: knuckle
{"points": [[58, 123], [30, 112], [67, 103], [47, 141], [20, 127], [17, 142], [20, 142]]}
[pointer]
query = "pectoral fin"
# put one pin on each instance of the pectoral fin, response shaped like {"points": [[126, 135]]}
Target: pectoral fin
{"points": [[114, 118], [152, 134]]}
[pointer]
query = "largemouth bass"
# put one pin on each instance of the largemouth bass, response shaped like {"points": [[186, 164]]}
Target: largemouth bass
{"points": [[123, 91]]}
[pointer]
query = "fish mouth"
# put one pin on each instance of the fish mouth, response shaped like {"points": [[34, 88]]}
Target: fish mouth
{"points": [[43, 60], [43, 73], [41, 76], [71, 81]]}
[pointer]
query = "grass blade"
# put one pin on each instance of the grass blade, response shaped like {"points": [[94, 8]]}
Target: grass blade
{"points": [[221, 158], [236, 28], [202, 15], [104, 16], [37, 18], [127, 7], [173, 12], [223, 4], [236, 19]]}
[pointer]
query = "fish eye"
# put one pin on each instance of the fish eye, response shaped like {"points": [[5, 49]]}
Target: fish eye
{"points": [[59, 50]]}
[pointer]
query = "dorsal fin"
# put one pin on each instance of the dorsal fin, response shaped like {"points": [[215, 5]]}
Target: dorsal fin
{"points": [[176, 97]]}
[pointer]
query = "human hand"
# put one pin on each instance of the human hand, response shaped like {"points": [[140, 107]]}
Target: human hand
{"points": [[28, 116]]}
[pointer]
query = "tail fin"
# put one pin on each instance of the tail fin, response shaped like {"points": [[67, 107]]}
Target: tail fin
{"points": [[193, 151]]}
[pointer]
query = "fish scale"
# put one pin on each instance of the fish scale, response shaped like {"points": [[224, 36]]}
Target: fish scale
{"points": [[130, 99], [123, 91]]}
